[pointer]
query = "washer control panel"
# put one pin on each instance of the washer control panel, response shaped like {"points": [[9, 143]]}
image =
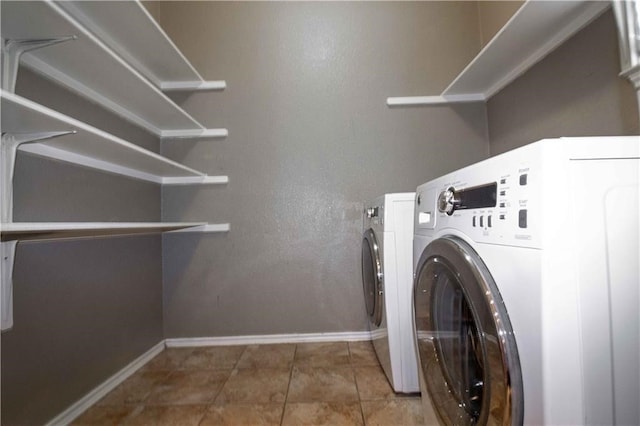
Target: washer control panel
{"points": [[493, 207], [506, 198]]}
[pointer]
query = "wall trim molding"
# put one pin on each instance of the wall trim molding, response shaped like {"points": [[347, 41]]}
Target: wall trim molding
{"points": [[80, 406], [348, 336]]}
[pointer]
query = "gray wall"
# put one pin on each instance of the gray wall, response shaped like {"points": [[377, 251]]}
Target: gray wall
{"points": [[493, 15], [575, 91], [310, 140], [82, 309]]}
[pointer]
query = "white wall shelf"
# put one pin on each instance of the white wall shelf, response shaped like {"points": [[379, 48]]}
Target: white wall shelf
{"points": [[91, 147], [89, 67], [121, 62], [12, 233], [130, 30], [207, 228], [536, 29], [61, 230]]}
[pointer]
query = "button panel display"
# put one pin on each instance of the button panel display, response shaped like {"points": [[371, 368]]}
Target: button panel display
{"points": [[508, 219]]}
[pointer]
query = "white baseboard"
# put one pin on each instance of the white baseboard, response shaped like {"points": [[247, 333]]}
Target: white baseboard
{"points": [[80, 406], [379, 333], [349, 336]]}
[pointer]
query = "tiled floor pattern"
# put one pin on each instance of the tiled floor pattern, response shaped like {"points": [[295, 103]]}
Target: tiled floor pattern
{"points": [[286, 384]]}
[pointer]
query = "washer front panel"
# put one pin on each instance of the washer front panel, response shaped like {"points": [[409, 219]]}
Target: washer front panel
{"points": [[466, 347]]}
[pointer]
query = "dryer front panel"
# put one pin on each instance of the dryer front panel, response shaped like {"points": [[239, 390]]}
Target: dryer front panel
{"points": [[467, 351]]}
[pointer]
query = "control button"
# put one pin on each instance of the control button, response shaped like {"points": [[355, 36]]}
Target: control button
{"points": [[474, 221], [481, 221], [503, 181], [523, 179], [489, 221], [501, 217], [503, 193], [503, 205], [522, 218], [372, 212]]}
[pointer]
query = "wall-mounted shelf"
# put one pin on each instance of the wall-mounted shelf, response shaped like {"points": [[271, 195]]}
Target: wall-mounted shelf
{"points": [[130, 31], [68, 230], [116, 55], [535, 30], [12, 233], [89, 67], [91, 147]]}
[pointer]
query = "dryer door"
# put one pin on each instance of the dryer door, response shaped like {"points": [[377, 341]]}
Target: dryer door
{"points": [[372, 277], [467, 351]]}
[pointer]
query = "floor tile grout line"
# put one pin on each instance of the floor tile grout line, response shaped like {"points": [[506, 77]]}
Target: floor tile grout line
{"points": [[170, 373], [286, 395], [355, 379], [213, 400], [143, 402]]}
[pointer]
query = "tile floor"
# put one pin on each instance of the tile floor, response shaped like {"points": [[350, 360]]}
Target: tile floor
{"points": [[287, 384]]}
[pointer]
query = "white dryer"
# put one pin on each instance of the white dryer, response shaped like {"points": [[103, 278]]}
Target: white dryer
{"points": [[526, 291], [387, 278]]}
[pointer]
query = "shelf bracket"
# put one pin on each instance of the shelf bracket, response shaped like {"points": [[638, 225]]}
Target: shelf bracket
{"points": [[9, 149], [6, 294], [13, 50], [628, 22]]}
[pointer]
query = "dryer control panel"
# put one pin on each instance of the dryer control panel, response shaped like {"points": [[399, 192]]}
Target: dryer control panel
{"points": [[488, 202]]}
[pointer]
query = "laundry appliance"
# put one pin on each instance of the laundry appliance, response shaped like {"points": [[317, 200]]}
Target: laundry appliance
{"points": [[387, 277], [526, 301]]}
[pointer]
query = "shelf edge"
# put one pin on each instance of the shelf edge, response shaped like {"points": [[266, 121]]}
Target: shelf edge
{"points": [[196, 180], [210, 228], [185, 86], [194, 134], [47, 231], [435, 100]]}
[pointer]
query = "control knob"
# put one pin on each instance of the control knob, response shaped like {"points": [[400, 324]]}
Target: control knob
{"points": [[448, 201]]}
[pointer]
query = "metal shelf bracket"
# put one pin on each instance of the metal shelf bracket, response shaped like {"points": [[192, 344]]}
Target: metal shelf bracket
{"points": [[6, 267], [627, 15], [9, 149], [13, 50]]}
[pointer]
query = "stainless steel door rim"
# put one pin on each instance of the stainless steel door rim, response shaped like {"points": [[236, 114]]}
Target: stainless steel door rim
{"points": [[466, 346]]}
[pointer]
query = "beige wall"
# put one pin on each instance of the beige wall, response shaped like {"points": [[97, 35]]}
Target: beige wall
{"points": [[575, 91], [310, 140], [492, 15]]}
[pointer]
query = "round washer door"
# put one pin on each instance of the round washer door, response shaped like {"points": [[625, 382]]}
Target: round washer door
{"points": [[372, 277], [466, 347]]}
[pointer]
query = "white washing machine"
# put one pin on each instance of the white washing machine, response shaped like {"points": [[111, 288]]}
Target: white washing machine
{"points": [[526, 300], [387, 278]]}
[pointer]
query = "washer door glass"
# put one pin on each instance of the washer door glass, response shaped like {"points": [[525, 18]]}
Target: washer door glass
{"points": [[372, 277], [467, 351]]}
